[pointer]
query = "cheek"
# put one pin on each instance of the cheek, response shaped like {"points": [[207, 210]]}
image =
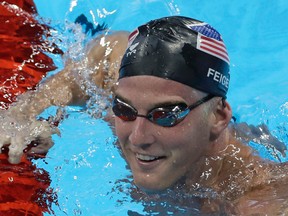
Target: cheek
{"points": [[199, 123], [193, 136]]}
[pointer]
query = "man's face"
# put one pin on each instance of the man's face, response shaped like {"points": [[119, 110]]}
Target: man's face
{"points": [[160, 156]]}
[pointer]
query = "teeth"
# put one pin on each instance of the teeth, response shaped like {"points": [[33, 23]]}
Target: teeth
{"points": [[146, 157]]}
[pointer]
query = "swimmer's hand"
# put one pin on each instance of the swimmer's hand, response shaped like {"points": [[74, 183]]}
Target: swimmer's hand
{"points": [[26, 135]]}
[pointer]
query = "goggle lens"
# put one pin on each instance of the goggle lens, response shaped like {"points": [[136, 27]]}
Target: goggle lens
{"points": [[163, 116], [124, 111], [167, 116]]}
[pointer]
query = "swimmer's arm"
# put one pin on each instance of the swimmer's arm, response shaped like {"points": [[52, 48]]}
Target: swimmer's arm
{"points": [[58, 90], [103, 58]]}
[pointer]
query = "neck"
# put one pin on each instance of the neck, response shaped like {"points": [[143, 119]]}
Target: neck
{"points": [[218, 145], [207, 168]]}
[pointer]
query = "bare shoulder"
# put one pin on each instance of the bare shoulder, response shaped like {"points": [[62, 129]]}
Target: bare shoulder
{"points": [[270, 197], [102, 42], [104, 55]]}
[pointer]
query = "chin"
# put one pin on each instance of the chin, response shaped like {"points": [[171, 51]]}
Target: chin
{"points": [[158, 185], [151, 187], [151, 190]]}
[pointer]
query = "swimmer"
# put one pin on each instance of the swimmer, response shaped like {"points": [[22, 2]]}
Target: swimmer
{"points": [[63, 89], [171, 113], [172, 117]]}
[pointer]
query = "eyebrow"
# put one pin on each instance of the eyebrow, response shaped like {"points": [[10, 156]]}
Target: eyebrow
{"points": [[168, 103], [156, 105]]}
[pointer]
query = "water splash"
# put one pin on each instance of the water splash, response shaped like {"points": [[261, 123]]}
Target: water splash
{"points": [[71, 38], [17, 132]]}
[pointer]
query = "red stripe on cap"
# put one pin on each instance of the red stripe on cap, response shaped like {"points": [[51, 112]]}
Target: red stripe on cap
{"points": [[221, 49], [220, 43], [215, 53], [133, 34]]}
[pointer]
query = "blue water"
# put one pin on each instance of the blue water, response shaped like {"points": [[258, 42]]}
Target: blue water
{"points": [[87, 170]]}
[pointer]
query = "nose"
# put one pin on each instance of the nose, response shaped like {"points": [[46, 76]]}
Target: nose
{"points": [[142, 133]]}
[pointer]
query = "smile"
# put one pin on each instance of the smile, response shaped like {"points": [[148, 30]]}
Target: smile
{"points": [[147, 158]]}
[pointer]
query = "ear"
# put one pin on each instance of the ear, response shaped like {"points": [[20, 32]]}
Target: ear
{"points": [[221, 117]]}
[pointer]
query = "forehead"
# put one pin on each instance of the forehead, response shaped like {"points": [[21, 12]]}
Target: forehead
{"points": [[142, 87]]}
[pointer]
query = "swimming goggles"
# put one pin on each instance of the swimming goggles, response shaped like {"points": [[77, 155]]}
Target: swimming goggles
{"points": [[166, 116]]}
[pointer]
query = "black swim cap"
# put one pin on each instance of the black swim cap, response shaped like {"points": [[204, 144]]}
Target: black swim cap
{"points": [[180, 49]]}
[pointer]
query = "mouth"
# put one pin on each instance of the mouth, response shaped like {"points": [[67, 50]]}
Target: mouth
{"points": [[148, 158]]}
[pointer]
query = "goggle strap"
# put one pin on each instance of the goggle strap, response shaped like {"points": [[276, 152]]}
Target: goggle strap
{"points": [[203, 100]]}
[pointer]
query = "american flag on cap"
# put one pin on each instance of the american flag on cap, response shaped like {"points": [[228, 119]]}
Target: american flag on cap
{"points": [[210, 41], [132, 36]]}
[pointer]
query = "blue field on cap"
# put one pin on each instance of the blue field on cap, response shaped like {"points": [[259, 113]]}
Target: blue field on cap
{"points": [[87, 170]]}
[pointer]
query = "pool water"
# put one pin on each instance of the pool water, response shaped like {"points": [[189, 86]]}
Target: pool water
{"points": [[88, 173]]}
